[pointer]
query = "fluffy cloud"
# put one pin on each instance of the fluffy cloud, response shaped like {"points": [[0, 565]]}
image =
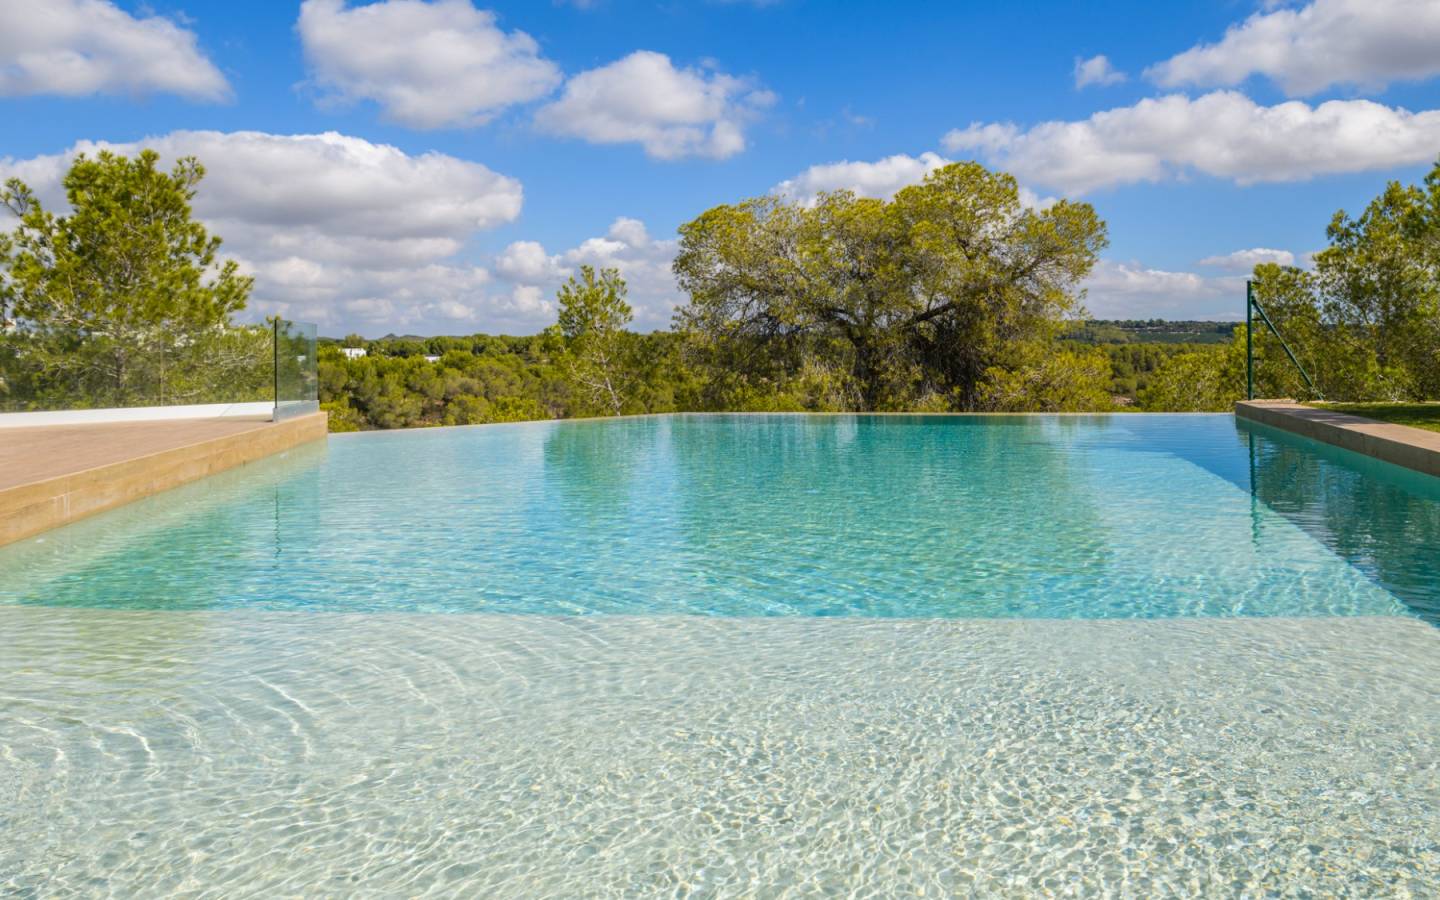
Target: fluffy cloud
{"points": [[81, 47], [1096, 70], [1327, 42], [441, 296], [529, 300], [335, 229], [879, 179], [528, 263], [644, 99], [1223, 134], [428, 65], [1120, 290], [1247, 260], [643, 261]]}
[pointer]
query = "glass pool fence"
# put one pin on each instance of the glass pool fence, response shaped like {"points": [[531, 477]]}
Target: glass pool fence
{"points": [[297, 382], [266, 369]]}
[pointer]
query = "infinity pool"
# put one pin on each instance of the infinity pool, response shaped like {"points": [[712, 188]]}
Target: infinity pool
{"points": [[732, 655], [896, 517]]}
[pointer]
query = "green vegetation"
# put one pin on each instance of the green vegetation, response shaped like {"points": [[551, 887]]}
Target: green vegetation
{"points": [[599, 352], [1416, 415], [951, 296], [480, 379], [121, 302], [1365, 322], [1133, 366], [1138, 349]]}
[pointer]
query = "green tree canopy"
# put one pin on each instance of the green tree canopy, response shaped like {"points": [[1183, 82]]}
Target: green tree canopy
{"points": [[125, 287], [1364, 322], [1208, 379], [1379, 289], [923, 300], [592, 319]]}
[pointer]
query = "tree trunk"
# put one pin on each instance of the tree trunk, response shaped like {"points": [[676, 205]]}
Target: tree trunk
{"points": [[866, 373]]}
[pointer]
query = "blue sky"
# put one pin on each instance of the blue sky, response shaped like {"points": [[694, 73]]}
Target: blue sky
{"points": [[419, 167]]}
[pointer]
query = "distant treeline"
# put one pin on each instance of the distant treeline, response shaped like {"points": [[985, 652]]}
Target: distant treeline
{"points": [[497, 378]]}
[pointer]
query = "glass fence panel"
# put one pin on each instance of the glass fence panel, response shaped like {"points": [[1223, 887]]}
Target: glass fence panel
{"points": [[297, 380], [40, 371], [235, 369]]}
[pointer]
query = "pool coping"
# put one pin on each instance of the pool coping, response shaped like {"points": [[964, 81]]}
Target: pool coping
{"points": [[1401, 445], [32, 507]]}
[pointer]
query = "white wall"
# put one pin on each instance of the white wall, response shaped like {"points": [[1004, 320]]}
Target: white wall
{"points": [[263, 409]]}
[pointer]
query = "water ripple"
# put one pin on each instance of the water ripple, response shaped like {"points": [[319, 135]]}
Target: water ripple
{"points": [[262, 753]]}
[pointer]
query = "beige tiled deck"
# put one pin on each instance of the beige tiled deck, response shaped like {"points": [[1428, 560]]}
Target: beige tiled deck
{"points": [[55, 474], [34, 454], [1413, 448]]}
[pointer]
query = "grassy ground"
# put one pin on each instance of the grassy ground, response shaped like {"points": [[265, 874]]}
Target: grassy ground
{"points": [[1416, 415]]}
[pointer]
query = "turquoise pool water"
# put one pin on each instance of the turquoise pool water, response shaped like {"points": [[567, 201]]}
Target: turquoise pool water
{"points": [[896, 516], [710, 656]]}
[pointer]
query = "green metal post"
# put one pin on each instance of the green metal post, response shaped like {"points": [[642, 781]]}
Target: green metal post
{"points": [[1249, 340]]}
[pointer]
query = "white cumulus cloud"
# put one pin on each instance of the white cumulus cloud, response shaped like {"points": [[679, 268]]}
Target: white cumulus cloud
{"points": [[1096, 70], [1223, 134], [671, 112], [1130, 290], [530, 301], [428, 64], [335, 229], [1247, 260], [527, 262], [1361, 42], [80, 47], [643, 261], [879, 179]]}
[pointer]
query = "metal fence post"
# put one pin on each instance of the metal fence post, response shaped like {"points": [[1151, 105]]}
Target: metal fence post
{"points": [[275, 363], [1249, 340]]}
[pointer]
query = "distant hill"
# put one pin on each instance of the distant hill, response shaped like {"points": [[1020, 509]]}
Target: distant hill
{"points": [[1151, 331]]}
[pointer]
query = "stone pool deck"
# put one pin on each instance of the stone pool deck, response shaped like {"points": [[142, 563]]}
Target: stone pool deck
{"points": [[55, 474], [1413, 448]]}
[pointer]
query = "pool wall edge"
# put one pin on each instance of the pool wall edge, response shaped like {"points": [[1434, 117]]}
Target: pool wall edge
{"points": [[1401, 445]]}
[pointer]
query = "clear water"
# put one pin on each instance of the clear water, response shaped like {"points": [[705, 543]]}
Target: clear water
{"points": [[737, 656], [911, 517]]}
